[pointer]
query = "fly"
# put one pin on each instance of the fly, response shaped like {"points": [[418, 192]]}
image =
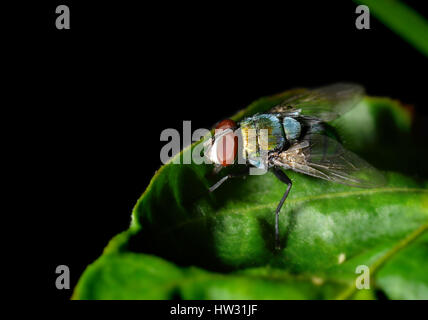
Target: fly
{"points": [[296, 139]]}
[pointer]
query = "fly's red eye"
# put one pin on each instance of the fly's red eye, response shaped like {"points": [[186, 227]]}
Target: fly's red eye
{"points": [[226, 124], [227, 145]]}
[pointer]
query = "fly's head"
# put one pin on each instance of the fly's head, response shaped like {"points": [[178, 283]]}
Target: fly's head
{"points": [[222, 149]]}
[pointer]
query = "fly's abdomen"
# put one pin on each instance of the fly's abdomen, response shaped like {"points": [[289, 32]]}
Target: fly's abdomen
{"points": [[292, 128]]}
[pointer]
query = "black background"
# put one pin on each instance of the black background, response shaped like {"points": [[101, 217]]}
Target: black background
{"points": [[124, 72]]}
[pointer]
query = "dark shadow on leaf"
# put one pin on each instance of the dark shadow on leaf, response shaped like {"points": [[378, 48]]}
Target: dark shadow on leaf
{"points": [[291, 226], [268, 230], [380, 295], [393, 149], [268, 233]]}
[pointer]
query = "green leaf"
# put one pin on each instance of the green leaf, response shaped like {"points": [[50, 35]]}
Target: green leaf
{"points": [[403, 277], [402, 19], [185, 242]]}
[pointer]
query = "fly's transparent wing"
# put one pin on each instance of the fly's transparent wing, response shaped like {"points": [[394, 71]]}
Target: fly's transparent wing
{"points": [[322, 157], [325, 103]]}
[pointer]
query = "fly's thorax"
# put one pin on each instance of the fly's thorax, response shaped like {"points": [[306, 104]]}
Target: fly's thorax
{"points": [[261, 134]]}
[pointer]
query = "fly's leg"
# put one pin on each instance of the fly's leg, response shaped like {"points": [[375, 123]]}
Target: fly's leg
{"points": [[284, 178], [232, 175]]}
